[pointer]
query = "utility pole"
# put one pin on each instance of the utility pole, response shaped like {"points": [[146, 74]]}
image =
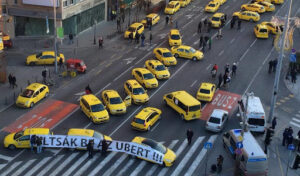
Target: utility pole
{"points": [[54, 24], [278, 69]]}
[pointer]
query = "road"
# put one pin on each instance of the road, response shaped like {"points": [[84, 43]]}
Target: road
{"points": [[112, 67]]}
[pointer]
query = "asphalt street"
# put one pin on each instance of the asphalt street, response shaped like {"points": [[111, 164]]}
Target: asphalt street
{"points": [[112, 66]]}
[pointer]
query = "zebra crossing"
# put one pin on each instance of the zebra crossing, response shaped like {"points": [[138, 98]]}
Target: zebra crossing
{"points": [[77, 163], [295, 122]]}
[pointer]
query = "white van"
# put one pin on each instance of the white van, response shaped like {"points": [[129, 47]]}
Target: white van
{"points": [[255, 113], [253, 161]]}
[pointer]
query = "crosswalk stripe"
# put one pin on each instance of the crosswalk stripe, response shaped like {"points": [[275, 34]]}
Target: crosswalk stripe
{"points": [[101, 164], [199, 157], [8, 158], [187, 156], [76, 164], [21, 169], [127, 166], [2, 165], [50, 165], [116, 164], [295, 124], [13, 166], [37, 166], [178, 152], [295, 119], [155, 166], [63, 165], [86, 165]]}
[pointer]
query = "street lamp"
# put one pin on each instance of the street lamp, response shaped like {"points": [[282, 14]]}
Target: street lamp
{"points": [[95, 22], [54, 22]]}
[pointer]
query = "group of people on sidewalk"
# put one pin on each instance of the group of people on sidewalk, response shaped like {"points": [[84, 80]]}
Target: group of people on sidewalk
{"points": [[12, 81], [287, 137]]}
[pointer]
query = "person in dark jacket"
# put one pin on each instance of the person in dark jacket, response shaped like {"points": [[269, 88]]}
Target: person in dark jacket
{"points": [[201, 41], [88, 90], [233, 69], [270, 66], [239, 24], [90, 148], [274, 123], [10, 80], [32, 142], [199, 26], [294, 75], [104, 147], [220, 160], [137, 38], [289, 139], [130, 37], [150, 38], [39, 144], [284, 136], [189, 135], [143, 40]]}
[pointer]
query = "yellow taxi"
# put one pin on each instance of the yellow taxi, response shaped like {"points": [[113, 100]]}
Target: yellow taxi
{"points": [[32, 94], [174, 37], [44, 58], [253, 7], [186, 52], [169, 155], [216, 19], [21, 139], [212, 6], [261, 31], [146, 118], [247, 15], [136, 91], [114, 103], [272, 27], [165, 56], [152, 17], [134, 28], [93, 108], [268, 6], [158, 69], [183, 3], [221, 1], [88, 133], [172, 7], [263, 1], [206, 92], [277, 1], [1, 44], [145, 77]]}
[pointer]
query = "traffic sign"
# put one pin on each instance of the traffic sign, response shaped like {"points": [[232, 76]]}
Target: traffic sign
{"points": [[238, 151], [239, 145], [207, 145], [291, 147]]}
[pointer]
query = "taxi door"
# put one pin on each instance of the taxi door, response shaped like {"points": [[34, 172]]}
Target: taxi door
{"points": [[186, 53], [36, 96], [139, 77], [127, 101], [153, 118], [105, 100], [23, 142]]}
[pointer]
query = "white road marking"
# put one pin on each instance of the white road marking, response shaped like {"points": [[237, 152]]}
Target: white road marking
{"points": [[194, 34], [86, 165], [153, 128], [244, 54], [12, 167], [296, 120], [208, 67], [232, 40], [221, 52], [199, 158], [253, 43], [193, 83], [115, 165], [102, 89], [129, 60], [138, 168], [50, 165], [123, 73], [77, 164], [129, 163], [226, 7], [297, 115], [295, 124], [187, 24], [102, 163], [8, 158], [187, 156], [21, 169], [37, 166], [64, 164], [143, 58]]}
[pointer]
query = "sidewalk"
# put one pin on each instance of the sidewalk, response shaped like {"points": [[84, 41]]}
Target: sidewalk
{"points": [[294, 88]]}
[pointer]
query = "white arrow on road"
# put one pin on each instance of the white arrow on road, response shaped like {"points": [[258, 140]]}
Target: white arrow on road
{"points": [[129, 60], [162, 36], [189, 16], [80, 93]]}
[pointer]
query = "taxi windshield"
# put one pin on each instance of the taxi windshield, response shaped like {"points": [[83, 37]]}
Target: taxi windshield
{"points": [[115, 100], [175, 37], [215, 19], [39, 55], [148, 76], [27, 93], [194, 108], [211, 5], [160, 68], [168, 54], [98, 135], [138, 91], [170, 6], [192, 50], [18, 134], [97, 107], [131, 29], [205, 91], [159, 147]]}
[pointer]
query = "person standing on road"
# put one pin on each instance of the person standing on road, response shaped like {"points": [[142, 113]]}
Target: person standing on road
{"points": [[137, 38], [90, 148], [10, 80], [39, 144], [14, 81], [201, 41], [298, 141], [199, 27], [284, 136], [270, 66], [220, 160], [189, 135], [274, 123], [275, 65], [100, 41], [233, 68], [143, 40], [32, 142], [232, 23], [209, 25], [119, 24], [130, 37], [220, 80], [227, 69], [44, 75], [289, 139], [239, 24], [104, 147], [294, 75], [219, 35], [167, 19], [88, 90], [61, 63], [70, 38], [150, 38], [225, 77]]}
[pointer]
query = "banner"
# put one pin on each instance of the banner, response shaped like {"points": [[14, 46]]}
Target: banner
{"points": [[131, 148]]}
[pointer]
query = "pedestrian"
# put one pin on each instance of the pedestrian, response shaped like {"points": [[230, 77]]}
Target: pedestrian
{"points": [[289, 139], [150, 38], [270, 66], [220, 80], [294, 75], [239, 24], [206, 38], [100, 41], [149, 23], [10, 80], [232, 23], [233, 69], [220, 160], [104, 147], [189, 135], [60, 63], [227, 69], [284, 136], [167, 19], [298, 140], [90, 148], [171, 20], [123, 17], [44, 75], [199, 26], [143, 40], [70, 38], [137, 38], [209, 43], [219, 35], [225, 77], [203, 46], [275, 65], [38, 144], [130, 37], [14, 81], [290, 131], [225, 17], [201, 41], [214, 71], [205, 22], [222, 23], [88, 90], [32, 142], [274, 122]]}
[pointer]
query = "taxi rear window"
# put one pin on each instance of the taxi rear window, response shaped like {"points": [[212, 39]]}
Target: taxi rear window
{"points": [[263, 30], [139, 121]]}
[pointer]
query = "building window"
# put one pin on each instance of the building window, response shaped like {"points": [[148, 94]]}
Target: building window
{"points": [[4, 9], [16, 1], [71, 1], [65, 3]]}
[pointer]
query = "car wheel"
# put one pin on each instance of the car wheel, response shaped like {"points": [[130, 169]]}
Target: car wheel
{"points": [[194, 58], [149, 128], [31, 105], [46, 95], [176, 55], [164, 164], [32, 63], [12, 147], [182, 117], [251, 20], [165, 102]]}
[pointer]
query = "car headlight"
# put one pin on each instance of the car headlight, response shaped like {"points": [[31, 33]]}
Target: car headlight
{"points": [[168, 160], [159, 76], [27, 102], [138, 100], [113, 110]]}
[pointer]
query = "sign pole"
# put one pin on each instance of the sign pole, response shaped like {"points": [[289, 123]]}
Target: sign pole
{"points": [[54, 24]]}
